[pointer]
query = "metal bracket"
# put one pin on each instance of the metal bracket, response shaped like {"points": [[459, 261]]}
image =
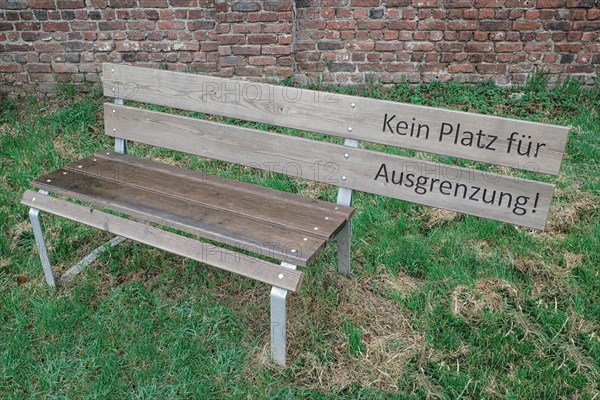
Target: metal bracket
{"points": [[278, 322], [344, 237], [120, 144], [38, 233]]}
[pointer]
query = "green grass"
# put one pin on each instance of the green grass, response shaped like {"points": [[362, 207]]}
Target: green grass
{"points": [[439, 305]]}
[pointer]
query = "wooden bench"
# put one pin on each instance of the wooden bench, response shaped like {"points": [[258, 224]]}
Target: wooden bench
{"points": [[283, 226]]}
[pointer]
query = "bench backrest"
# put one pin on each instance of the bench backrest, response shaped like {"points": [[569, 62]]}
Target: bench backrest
{"points": [[518, 144]]}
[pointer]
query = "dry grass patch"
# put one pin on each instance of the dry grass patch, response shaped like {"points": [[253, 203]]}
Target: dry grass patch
{"points": [[314, 190], [482, 247], [64, 150], [436, 217], [563, 216], [491, 294], [388, 337], [548, 280]]}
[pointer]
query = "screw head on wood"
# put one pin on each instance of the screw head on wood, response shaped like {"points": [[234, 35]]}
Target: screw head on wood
{"points": [[349, 129], [352, 105], [344, 178], [346, 155]]}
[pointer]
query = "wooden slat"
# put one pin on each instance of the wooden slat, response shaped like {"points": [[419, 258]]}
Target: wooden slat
{"points": [[257, 236], [489, 139], [339, 165], [220, 196], [259, 192], [205, 253]]}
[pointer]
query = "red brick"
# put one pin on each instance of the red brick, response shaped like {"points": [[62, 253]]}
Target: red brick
{"points": [[170, 25], [402, 25], [537, 47], [550, 3], [509, 47], [252, 50], [55, 26], [365, 46], [262, 39], [262, 60], [365, 3], [41, 4], [390, 35], [486, 13], [532, 14], [431, 25], [568, 47], [470, 14], [491, 68], [27, 26], [480, 36], [38, 68], [388, 46], [526, 26], [494, 25], [489, 3], [466, 68], [479, 47], [360, 14], [186, 46], [231, 39], [153, 3], [580, 69], [593, 14], [419, 46], [10, 68], [339, 25], [64, 68], [425, 3], [463, 25], [274, 49], [69, 4]]}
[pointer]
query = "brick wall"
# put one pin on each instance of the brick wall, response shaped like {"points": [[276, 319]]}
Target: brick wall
{"points": [[464, 40], [44, 41]]}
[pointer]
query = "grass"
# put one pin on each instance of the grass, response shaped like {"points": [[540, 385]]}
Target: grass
{"points": [[440, 305]]}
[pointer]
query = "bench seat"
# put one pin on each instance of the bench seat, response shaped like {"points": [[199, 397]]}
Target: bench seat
{"points": [[280, 225]]}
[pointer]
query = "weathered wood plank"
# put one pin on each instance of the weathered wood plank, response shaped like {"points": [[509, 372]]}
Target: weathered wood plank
{"points": [[258, 192], [205, 253], [275, 210], [508, 199], [489, 139], [256, 236]]}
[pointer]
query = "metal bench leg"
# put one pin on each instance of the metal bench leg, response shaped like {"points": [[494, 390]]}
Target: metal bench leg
{"points": [[344, 239], [278, 322], [34, 217]]}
